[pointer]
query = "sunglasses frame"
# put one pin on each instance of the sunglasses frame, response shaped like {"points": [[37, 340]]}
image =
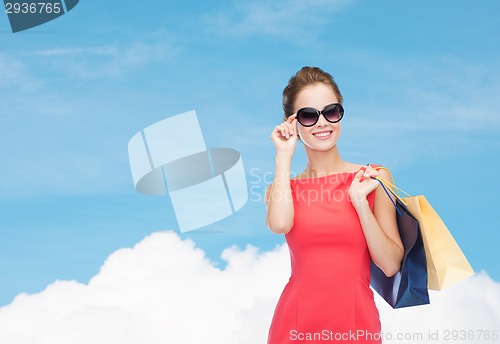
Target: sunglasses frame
{"points": [[318, 112]]}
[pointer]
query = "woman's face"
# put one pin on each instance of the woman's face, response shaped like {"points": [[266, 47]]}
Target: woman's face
{"points": [[323, 135]]}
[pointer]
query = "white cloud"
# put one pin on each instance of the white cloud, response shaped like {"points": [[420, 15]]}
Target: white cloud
{"points": [[111, 60], [63, 132], [408, 110], [472, 305], [14, 74], [164, 290], [284, 18], [438, 93]]}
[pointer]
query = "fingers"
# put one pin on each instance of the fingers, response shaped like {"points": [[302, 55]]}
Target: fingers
{"points": [[284, 131], [366, 172], [359, 174], [288, 128], [370, 172], [293, 121]]}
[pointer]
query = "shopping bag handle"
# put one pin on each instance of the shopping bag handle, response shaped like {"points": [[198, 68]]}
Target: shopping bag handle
{"points": [[389, 195], [396, 191]]}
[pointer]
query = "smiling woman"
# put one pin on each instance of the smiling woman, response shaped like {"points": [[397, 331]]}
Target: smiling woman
{"points": [[334, 219]]}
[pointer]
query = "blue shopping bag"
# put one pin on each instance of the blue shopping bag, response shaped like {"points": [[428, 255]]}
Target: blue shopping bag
{"points": [[408, 287]]}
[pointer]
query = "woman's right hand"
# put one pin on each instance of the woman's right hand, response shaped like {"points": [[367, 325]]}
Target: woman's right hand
{"points": [[284, 135]]}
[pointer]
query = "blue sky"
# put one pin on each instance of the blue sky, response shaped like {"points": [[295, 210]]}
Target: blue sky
{"points": [[420, 82]]}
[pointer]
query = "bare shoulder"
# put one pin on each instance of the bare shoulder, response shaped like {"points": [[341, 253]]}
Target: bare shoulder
{"points": [[351, 167], [383, 171], [385, 175]]}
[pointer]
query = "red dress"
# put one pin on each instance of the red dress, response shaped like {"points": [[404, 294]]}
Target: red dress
{"points": [[328, 297]]}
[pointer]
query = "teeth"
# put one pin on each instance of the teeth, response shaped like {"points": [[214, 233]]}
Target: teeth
{"points": [[323, 134]]}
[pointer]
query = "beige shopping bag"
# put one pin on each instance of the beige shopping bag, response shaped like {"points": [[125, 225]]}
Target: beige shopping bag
{"points": [[446, 263]]}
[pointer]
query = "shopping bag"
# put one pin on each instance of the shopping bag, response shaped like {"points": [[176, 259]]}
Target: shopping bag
{"points": [[408, 287], [446, 263]]}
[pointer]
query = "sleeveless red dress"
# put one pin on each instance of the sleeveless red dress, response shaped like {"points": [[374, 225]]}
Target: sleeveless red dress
{"points": [[328, 297]]}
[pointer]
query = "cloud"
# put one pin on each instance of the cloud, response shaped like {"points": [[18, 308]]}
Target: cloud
{"points": [[64, 132], [14, 74], [283, 19], [164, 290], [419, 109], [438, 93], [111, 60], [470, 308]]}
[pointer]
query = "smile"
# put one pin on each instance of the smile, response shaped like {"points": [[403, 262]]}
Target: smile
{"points": [[323, 134]]}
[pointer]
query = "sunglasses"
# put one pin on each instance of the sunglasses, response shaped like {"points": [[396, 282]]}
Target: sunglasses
{"points": [[308, 116]]}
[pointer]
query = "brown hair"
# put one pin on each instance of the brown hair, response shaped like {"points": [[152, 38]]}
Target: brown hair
{"points": [[304, 77]]}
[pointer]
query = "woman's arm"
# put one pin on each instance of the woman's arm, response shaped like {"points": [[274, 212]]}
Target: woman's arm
{"points": [[380, 227], [279, 203]]}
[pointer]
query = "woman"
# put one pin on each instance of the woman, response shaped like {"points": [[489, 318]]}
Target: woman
{"points": [[335, 218]]}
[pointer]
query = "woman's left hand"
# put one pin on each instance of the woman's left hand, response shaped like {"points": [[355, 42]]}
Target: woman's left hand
{"points": [[362, 185]]}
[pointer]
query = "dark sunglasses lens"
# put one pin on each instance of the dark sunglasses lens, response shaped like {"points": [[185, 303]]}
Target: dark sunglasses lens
{"points": [[334, 113], [307, 117]]}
